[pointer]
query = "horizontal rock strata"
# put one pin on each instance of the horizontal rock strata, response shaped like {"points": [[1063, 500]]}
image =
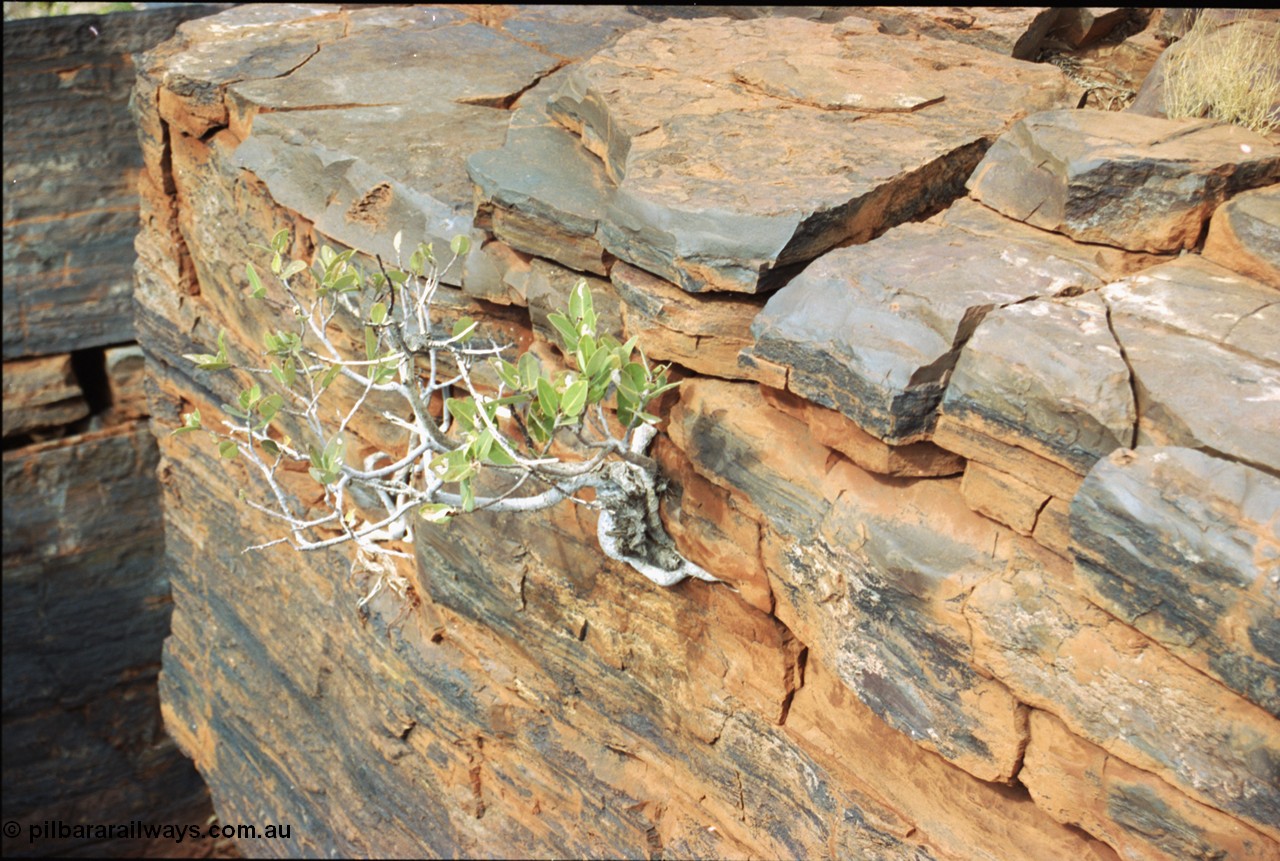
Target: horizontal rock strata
{"points": [[906, 463]]}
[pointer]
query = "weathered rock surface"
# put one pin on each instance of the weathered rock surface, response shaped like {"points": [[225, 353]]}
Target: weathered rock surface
{"points": [[1135, 182], [70, 209], [1134, 811], [705, 334], [1200, 343], [86, 606], [1244, 235], [1185, 547], [863, 131], [860, 575], [1011, 30], [874, 330], [864, 684], [40, 394], [1120, 690], [1045, 378]]}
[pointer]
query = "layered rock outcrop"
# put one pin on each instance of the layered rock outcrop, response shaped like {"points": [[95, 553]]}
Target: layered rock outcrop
{"points": [[86, 592], [930, 445]]}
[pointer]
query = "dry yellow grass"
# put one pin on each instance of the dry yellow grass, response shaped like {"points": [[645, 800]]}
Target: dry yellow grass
{"points": [[1229, 73]]}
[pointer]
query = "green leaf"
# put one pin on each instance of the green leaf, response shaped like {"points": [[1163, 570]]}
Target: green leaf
{"points": [[256, 290], [601, 362], [228, 449], [277, 263], [548, 399], [468, 495], [586, 351], [567, 331], [540, 427], [482, 444], [499, 457], [270, 447], [347, 283], [370, 343], [574, 399], [530, 372], [463, 411], [579, 299], [378, 313], [460, 245], [205, 362], [457, 466], [463, 328], [329, 376], [269, 406], [293, 269], [507, 373], [436, 512], [280, 241]]}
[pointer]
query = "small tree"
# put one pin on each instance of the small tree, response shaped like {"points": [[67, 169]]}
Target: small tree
{"points": [[528, 441]]}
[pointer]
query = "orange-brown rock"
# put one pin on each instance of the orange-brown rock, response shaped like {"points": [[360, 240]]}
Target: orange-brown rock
{"points": [[861, 684], [1118, 689], [40, 394], [1244, 235], [1137, 813], [841, 434]]}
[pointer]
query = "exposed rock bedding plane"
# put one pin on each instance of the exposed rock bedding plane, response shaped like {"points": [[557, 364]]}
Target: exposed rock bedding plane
{"points": [[994, 493]]}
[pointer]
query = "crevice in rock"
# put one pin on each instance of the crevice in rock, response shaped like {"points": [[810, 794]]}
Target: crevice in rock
{"points": [[794, 669], [90, 368], [508, 102], [477, 783], [1133, 378], [1227, 335], [337, 107]]}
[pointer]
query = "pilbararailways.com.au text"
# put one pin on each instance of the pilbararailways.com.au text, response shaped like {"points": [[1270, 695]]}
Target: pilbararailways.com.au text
{"points": [[56, 829]]}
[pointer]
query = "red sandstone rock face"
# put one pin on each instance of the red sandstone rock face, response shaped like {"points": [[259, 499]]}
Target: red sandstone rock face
{"points": [[903, 663]]}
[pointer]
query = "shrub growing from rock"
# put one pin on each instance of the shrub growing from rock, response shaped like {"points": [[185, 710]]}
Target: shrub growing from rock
{"points": [[482, 429]]}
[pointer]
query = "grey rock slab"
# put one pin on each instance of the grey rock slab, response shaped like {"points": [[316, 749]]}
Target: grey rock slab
{"points": [[542, 193], [405, 62], [1049, 377], [1185, 547], [874, 330], [729, 167], [1136, 182], [1244, 235], [703, 333], [360, 184], [1200, 342], [41, 393]]}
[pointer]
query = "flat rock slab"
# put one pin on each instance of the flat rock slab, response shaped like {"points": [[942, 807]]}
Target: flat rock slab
{"points": [[874, 330], [1185, 547], [1244, 235], [1131, 181], [361, 119], [1201, 344], [1046, 376], [721, 168]]}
